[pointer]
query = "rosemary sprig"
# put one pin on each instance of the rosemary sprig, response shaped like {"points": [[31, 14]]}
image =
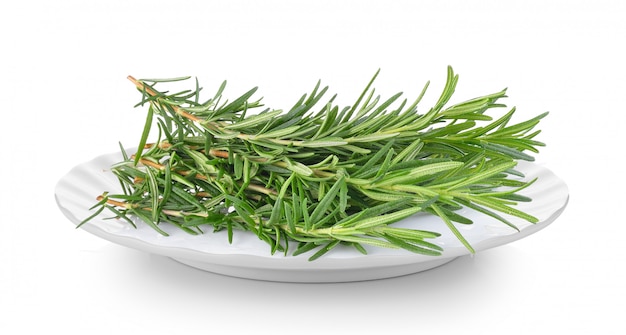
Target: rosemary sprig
{"points": [[318, 179]]}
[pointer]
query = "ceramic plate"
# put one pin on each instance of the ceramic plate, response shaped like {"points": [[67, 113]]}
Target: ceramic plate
{"points": [[249, 257]]}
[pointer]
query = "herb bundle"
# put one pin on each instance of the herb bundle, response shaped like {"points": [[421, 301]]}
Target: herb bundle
{"points": [[310, 179]]}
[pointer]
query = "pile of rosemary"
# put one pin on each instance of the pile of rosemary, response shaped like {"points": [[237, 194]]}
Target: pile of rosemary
{"points": [[310, 179]]}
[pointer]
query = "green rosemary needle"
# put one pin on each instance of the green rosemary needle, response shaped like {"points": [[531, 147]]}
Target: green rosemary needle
{"points": [[311, 178]]}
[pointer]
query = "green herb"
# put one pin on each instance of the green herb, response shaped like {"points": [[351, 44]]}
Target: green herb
{"points": [[311, 178]]}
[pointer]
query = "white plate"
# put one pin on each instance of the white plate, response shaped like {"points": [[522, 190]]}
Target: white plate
{"points": [[249, 257]]}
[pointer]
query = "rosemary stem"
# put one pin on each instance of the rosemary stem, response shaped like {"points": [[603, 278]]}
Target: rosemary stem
{"points": [[114, 202], [142, 87]]}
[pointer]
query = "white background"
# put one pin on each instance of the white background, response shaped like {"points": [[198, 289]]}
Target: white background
{"points": [[65, 99]]}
